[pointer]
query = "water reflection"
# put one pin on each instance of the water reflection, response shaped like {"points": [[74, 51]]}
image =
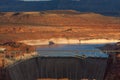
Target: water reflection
{"points": [[89, 50]]}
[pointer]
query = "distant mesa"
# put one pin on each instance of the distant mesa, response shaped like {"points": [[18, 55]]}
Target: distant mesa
{"points": [[67, 12], [55, 17], [61, 11]]}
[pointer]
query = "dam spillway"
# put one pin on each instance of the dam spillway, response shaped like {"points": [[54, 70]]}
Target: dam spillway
{"points": [[57, 68]]}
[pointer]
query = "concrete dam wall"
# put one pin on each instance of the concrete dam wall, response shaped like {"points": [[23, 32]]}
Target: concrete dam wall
{"points": [[57, 68]]}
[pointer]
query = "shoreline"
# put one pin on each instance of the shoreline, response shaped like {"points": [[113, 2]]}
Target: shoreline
{"points": [[67, 41]]}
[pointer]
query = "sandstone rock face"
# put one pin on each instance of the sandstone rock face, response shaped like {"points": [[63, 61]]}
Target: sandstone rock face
{"points": [[57, 24]]}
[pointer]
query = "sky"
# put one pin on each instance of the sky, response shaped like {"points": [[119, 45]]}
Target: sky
{"points": [[45, 0], [97, 6], [35, 0]]}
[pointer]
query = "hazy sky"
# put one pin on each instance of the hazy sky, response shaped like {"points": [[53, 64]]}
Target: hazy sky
{"points": [[35, 0], [98, 6], [45, 0]]}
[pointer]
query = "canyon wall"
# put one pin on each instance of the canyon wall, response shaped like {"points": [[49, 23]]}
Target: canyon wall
{"points": [[57, 68]]}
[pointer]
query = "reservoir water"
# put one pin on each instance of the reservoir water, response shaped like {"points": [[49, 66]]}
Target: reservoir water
{"points": [[72, 50]]}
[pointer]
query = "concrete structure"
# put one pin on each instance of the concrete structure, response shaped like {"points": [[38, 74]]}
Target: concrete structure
{"points": [[71, 68]]}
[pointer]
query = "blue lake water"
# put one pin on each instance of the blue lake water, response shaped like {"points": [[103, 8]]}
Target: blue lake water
{"points": [[89, 50]]}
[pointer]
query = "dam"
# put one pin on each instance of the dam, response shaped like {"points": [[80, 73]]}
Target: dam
{"points": [[62, 62], [58, 68]]}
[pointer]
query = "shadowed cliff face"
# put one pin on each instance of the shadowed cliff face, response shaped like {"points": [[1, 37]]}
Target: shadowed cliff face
{"points": [[57, 68], [106, 7]]}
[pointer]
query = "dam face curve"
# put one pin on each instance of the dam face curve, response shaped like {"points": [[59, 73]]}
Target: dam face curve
{"points": [[70, 68]]}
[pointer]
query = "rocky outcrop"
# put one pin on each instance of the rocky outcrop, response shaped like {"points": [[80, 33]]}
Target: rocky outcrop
{"points": [[15, 46], [114, 48], [11, 51], [113, 71]]}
